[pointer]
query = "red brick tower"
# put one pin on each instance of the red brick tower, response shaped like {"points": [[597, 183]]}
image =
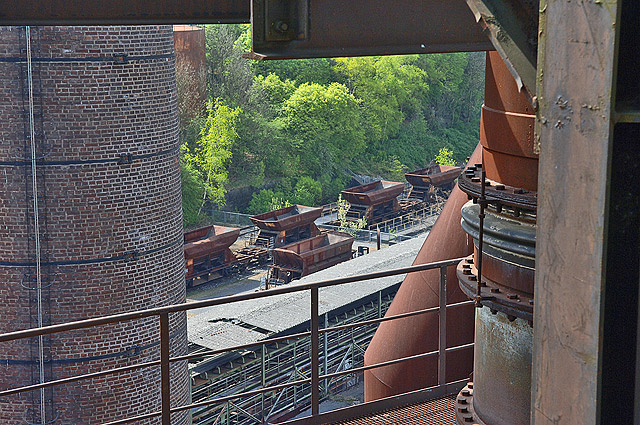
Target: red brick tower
{"points": [[104, 234]]}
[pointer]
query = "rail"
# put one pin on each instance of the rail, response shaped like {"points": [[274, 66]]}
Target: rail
{"points": [[316, 418]]}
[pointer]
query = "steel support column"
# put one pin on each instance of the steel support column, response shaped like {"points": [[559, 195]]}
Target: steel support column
{"points": [[575, 279]]}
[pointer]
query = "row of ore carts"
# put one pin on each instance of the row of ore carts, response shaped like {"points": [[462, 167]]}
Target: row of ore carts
{"points": [[290, 239]]}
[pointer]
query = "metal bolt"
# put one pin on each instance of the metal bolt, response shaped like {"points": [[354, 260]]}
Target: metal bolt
{"points": [[468, 419], [470, 385], [472, 168], [463, 409], [494, 311], [462, 401], [466, 266], [466, 393], [478, 165], [495, 290], [512, 296], [473, 278], [281, 26], [466, 271], [500, 187], [531, 302], [498, 207], [475, 180], [469, 260], [482, 284]]}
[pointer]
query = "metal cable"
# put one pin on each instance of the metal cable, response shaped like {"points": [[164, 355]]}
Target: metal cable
{"points": [[36, 224]]}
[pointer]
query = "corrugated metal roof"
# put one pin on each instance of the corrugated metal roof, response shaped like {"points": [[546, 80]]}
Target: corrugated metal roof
{"points": [[224, 326]]}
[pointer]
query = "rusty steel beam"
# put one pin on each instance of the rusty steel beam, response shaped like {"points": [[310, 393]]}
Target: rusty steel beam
{"points": [[78, 12], [513, 29], [301, 28], [576, 80]]}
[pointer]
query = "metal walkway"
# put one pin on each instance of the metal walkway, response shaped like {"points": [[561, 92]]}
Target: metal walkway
{"points": [[434, 412]]}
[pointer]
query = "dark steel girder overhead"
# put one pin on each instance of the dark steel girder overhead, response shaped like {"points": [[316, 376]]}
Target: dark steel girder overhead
{"points": [[82, 12], [513, 28], [285, 29]]}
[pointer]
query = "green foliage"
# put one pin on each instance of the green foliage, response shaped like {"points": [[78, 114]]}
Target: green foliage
{"points": [[267, 200], [324, 127], [445, 157], [192, 189], [275, 90], [305, 125], [212, 152], [348, 226], [307, 192], [390, 87]]}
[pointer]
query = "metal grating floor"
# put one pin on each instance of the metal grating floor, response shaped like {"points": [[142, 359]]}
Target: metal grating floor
{"points": [[441, 411]]}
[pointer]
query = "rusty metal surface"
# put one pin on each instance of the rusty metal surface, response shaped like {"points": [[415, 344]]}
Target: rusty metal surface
{"points": [[363, 27], [434, 412], [512, 26], [420, 334], [507, 129], [217, 241], [286, 218], [433, 176], [575, 131], [77, 12], [314, 254], [495, 296], [373, 193], [189, 43], [498, 195], [502, 369]]}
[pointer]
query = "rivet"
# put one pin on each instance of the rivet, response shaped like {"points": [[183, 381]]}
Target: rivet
{"points": [[466, 272], [463, 410], [466, 266], [468, 419], [462, 401], [469, 260]]}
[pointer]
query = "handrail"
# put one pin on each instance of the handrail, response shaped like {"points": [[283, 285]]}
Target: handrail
{"points": [[315, 332]]}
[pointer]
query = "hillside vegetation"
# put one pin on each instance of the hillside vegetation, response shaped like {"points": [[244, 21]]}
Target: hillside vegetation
{"points": [[295, 131]]}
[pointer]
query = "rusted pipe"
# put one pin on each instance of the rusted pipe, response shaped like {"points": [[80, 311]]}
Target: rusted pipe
{"points": [[506, 129], [416, 335]]}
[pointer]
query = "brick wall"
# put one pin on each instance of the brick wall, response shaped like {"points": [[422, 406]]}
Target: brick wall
{"points": [[108, 186]]}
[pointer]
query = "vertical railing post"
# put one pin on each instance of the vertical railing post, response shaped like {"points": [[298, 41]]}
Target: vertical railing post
{"points": [[164, 369], [442, 340], [263, 380], [315, 361], [325, 349]]}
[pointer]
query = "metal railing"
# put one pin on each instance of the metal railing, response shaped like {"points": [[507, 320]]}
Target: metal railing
{"points": [[165, 360]]}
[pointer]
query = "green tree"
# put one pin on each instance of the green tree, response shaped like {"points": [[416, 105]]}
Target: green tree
{"points": [[307, 192], [267, 200], [391, 89], [445, 157], [212, 152], [192, 189], [324, 125]]}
